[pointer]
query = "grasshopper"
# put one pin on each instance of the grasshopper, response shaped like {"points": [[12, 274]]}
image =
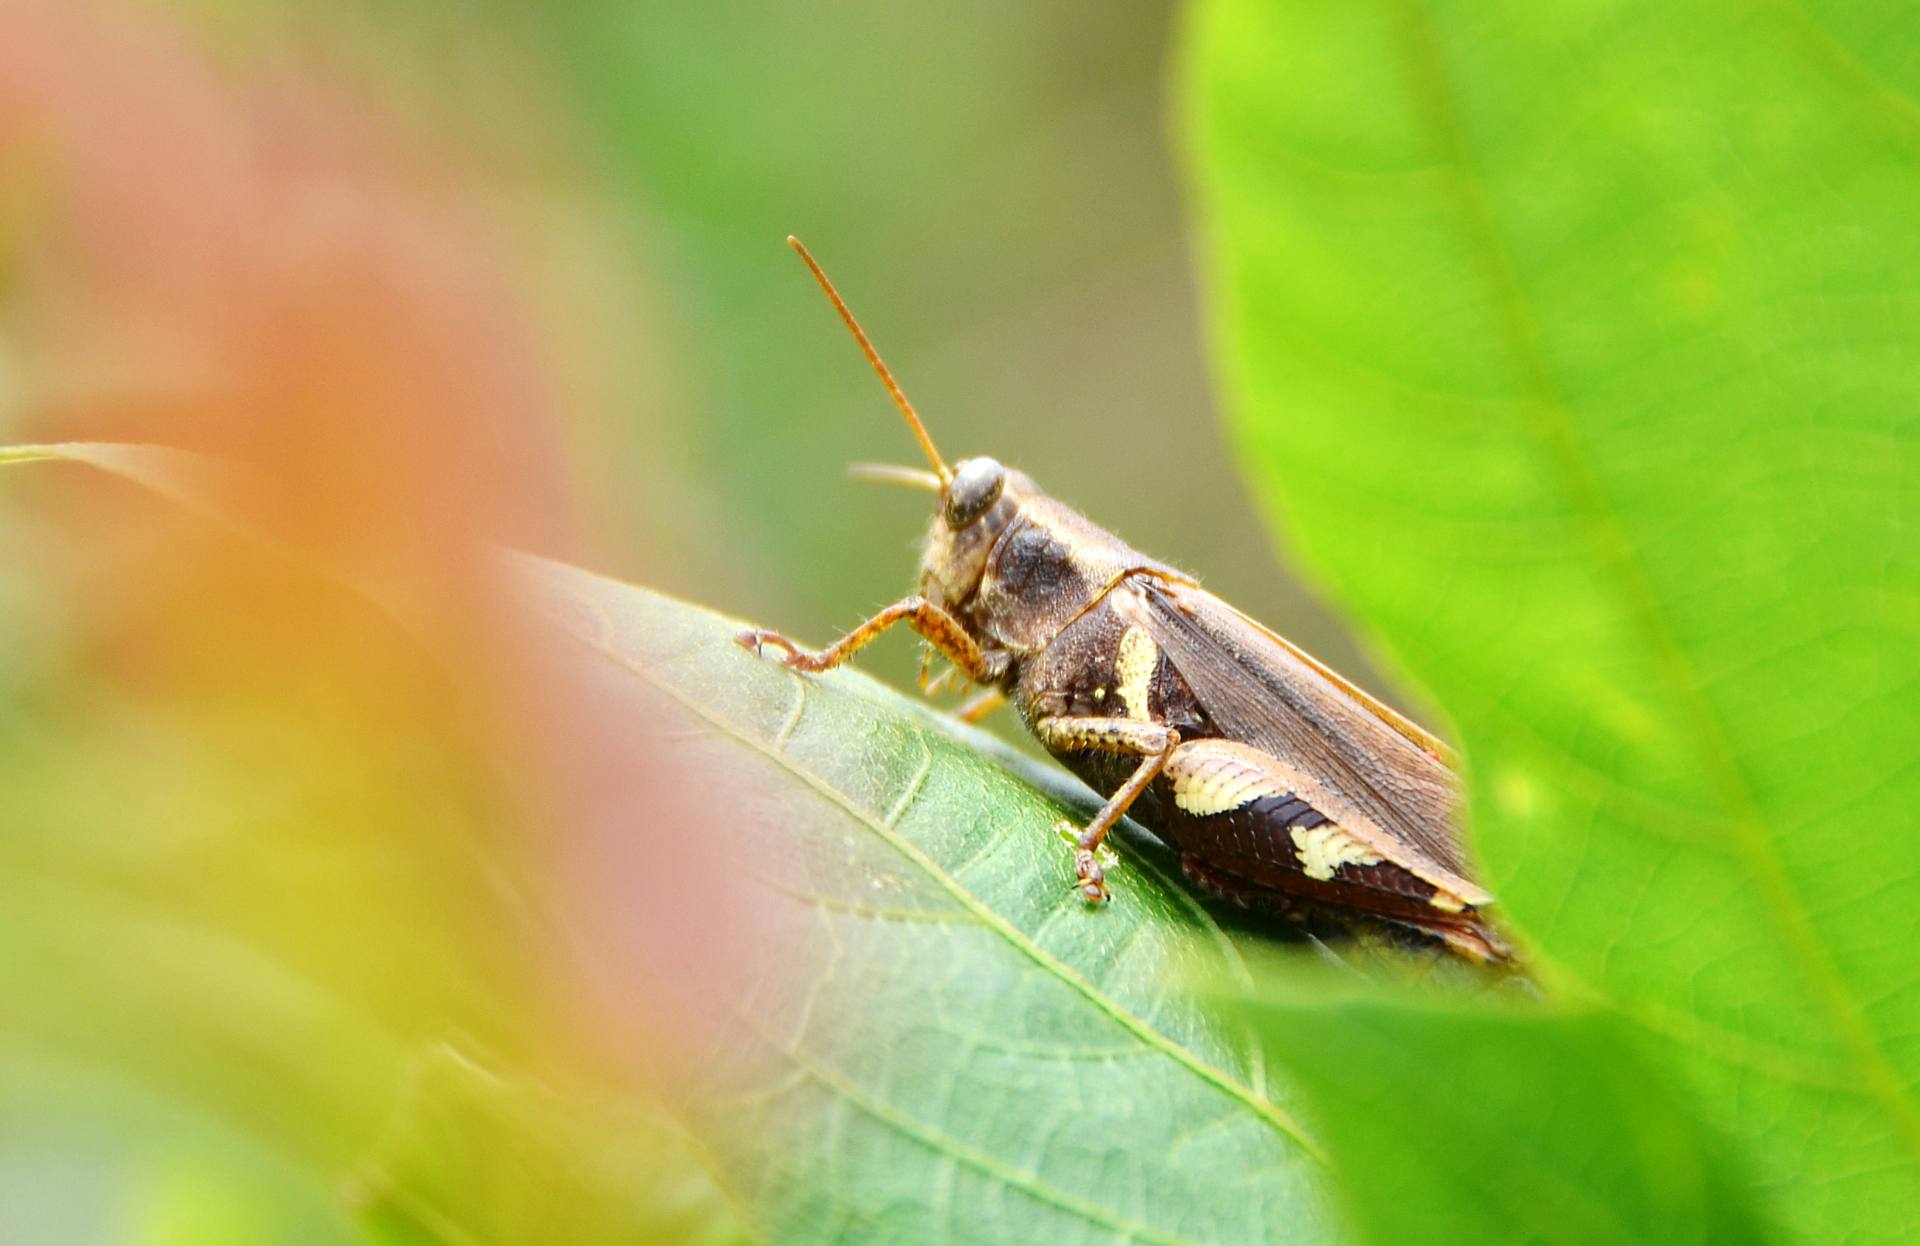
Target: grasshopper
{"points": [[1277, 781]]}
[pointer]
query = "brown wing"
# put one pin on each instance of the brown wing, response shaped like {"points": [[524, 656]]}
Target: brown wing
{"points": [[1380, 777]]}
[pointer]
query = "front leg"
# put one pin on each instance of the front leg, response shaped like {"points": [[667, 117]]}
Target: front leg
{"points": [[943, 631], [1152, 742]]}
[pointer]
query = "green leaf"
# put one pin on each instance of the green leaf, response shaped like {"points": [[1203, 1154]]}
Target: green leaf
{"points": [[953, 1046], [968, 1052], [1571, 348], [1540, 1128]]}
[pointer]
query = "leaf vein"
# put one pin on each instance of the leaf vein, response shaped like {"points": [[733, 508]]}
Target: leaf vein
{"points": [[1141, 1029]]}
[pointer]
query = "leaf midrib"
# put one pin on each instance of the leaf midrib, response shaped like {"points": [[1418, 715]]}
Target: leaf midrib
{"points": [[1026, 1182]]}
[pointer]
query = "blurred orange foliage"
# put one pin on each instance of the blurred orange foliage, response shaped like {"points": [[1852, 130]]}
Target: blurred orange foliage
{"points": [[427, 817]]}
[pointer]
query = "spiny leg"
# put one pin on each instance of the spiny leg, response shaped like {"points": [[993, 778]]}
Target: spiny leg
{"points": [[1152, 742], [942, 630]]}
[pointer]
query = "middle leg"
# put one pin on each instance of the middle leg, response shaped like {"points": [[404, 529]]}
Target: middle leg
{"points": [[1152, 742]]}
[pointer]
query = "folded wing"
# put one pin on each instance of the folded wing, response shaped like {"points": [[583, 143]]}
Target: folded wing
{"points": [[1380, 777]]}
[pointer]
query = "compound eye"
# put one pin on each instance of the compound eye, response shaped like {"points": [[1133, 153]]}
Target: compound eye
{"points": [[976, 486]]}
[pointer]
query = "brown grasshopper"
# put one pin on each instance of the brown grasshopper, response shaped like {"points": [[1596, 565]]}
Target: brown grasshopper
{"points": [[1275, 779]]}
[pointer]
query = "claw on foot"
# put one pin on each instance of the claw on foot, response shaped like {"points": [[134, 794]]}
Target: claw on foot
{"points": [[1093, 879], [754, 641], [1089, 864]]}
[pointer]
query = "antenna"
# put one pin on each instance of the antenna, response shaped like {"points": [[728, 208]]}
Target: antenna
{"points": [[893, 474], [873, 357]]}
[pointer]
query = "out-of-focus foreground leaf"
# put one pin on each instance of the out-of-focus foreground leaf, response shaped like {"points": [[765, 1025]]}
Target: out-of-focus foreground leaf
{"points": [[472, 1155], [1539, 1128], [1572, 348], [950, 1046]]}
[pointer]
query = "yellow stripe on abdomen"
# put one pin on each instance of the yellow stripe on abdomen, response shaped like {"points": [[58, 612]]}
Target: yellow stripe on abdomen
{"points": [[1218, 776], [1325, 848]]}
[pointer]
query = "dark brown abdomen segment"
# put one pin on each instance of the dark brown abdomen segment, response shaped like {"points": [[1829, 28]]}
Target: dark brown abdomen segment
{"points": [[1250, 853]]}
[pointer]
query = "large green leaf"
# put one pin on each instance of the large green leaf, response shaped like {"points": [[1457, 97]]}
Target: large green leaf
{"points": [[1570, 345], [1540, 1128], [961, 1050], [951, 1046]]}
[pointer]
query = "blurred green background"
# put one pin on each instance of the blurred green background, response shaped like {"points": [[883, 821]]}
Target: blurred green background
{"points": [[993, 187]]}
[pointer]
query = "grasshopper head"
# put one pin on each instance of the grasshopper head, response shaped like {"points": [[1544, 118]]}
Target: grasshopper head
{"points": [[976, 506]]}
